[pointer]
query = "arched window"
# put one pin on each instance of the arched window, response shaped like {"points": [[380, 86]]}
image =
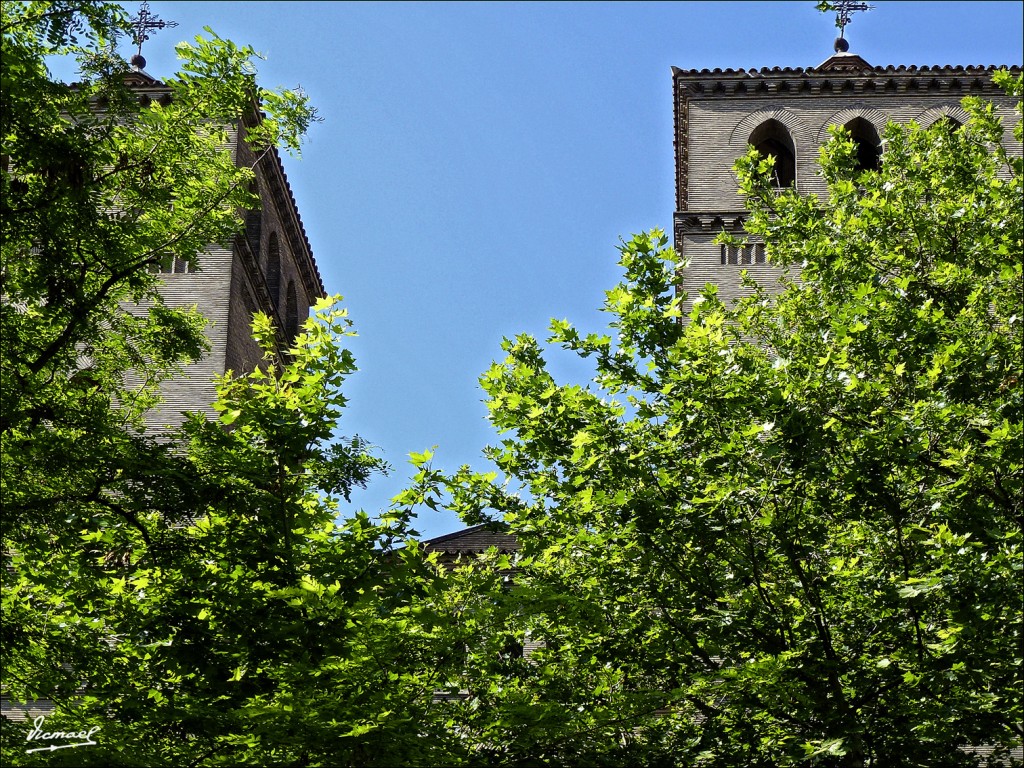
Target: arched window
{"points": [[254, 221], [291, 313], [949, 123], [869, 147], [273, 272], [772, 138]]}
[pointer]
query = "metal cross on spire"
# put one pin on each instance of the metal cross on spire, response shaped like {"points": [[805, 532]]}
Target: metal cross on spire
{"points": [[843, 10], [142, 25]]}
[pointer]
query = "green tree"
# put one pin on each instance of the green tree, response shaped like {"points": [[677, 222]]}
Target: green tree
{"points": [[193, 596], [785, 531], [261, 631], [97, 191]]}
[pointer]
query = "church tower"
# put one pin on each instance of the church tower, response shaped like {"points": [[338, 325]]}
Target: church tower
{"points": [[787, 113], [269, 268]]}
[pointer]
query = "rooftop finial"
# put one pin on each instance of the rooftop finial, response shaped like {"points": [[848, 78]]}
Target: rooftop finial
{"points": [[142, 25], [843, 9]]}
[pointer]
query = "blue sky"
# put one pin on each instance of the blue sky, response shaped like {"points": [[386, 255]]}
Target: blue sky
{"points": [[478, 162]]}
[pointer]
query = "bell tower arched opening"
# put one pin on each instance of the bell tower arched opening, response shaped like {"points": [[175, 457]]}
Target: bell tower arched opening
{"points": [[869, 146], [771, 138]]}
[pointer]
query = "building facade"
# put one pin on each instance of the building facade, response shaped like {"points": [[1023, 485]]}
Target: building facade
{"points": [[787, 113]]}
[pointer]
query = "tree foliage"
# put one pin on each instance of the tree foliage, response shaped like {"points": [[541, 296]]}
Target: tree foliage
{"points": [[192, 596], [785, 531], [781, 532], [97, 191]]}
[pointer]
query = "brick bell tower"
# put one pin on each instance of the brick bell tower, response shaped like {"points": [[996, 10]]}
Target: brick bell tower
{"points": [[270, 268], [787, 113]]}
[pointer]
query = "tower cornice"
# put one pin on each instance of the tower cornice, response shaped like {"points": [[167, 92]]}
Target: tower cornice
{"points": [[841, 72]]}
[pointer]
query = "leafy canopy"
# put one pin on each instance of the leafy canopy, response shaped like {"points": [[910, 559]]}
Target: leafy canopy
{"points": [[785, 531], [192, 596]]}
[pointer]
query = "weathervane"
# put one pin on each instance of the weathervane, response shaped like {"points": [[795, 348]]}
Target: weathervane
{"points": [[142, 25], [843, 9]]}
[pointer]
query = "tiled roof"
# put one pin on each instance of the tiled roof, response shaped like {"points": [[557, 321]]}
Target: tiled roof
{"points": [[947, 69], [476, 540], [842, 72]]}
